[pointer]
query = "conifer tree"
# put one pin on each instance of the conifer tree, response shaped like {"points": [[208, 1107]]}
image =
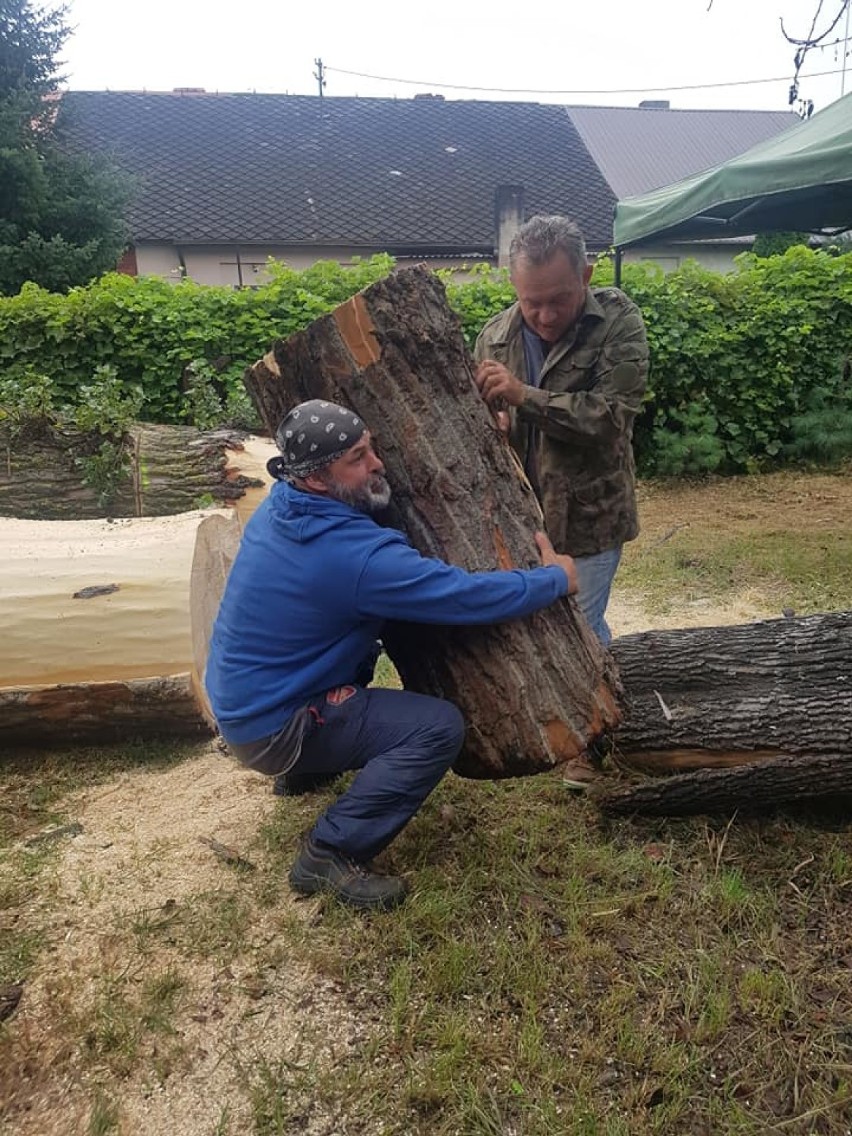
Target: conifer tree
{"points": [[61, 212]]}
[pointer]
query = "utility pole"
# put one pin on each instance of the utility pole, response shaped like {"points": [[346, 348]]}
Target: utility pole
{"points": [[845, 51], [319, 75]]}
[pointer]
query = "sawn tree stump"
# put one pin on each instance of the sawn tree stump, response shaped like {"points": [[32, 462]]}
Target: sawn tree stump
{"points": [[535, 692]]}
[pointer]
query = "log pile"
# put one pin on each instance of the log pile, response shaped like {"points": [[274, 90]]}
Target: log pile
{"points": [[170, 469], [535, 692]]}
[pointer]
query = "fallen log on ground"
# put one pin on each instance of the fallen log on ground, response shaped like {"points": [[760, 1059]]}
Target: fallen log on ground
{"points": [[771, 700], [97, 638], [535, 692], [216, 543], [784, 779], [96, 601], [39, 716], [169, 469], [97, 621]]}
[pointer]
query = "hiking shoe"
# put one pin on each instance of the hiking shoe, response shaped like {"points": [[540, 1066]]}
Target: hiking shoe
{"points": [[297, 784], [318, 868], [578, 774]]}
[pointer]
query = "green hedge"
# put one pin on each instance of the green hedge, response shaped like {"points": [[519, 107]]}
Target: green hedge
{"points": [[747, 368], [152, 332]]}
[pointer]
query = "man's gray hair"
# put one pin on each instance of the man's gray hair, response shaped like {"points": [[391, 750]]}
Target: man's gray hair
{"points": [[541, 238]]}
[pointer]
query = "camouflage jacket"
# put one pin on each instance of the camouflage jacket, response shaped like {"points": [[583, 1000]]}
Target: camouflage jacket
{"points": [[580, 420]]}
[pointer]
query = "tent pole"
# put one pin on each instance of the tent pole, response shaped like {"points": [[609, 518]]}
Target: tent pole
{"points": [[618, 253]]}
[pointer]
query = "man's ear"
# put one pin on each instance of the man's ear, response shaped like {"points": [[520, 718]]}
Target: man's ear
{"points": [[314, 483], [587, 273]]}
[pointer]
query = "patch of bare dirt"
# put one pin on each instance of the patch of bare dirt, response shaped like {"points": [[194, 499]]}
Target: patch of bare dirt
{"points": [[787, 501], [717, 509], [627, 613], [139, 852]]}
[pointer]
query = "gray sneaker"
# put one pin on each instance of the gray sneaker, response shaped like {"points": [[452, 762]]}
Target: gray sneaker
{"points": [[318, 868]]}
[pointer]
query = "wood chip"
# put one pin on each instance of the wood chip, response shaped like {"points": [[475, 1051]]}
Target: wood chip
{"points": [[229, 855]]}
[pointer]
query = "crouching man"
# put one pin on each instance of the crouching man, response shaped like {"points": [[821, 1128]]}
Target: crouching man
{"points": [[294, 642]]}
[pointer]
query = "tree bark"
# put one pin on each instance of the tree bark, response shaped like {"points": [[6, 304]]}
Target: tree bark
{"points": [[764, 784], [535, 692], [100, 712], [171, 469], [773, 698], [781, 685]]}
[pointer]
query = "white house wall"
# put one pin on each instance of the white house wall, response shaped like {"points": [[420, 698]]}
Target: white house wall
{"points": [[716, 257], [224, 265]]}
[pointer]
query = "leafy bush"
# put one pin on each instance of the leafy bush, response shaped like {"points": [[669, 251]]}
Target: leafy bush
{"points": [[477, 299], [753, 347], [822, 431], [773, 244], [746, 368], [104, 415], [102, 418], [151, 331], [25, 402]]}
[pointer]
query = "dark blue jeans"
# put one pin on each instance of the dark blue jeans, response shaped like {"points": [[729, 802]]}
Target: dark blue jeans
{"points": [[402, 743]]}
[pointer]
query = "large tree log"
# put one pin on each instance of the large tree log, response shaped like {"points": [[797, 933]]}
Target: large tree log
{"points": [[97, 611], [764, 784], [780, 685], [171, 469], [96, 601], [216, 544], [775, 697], [97, 641], [101, 712], [536, 692]]}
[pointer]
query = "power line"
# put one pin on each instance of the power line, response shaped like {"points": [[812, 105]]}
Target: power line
{"points": [[538, 91]]}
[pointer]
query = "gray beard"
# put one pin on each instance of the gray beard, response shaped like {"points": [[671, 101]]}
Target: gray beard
{"points": [[371, 498]]}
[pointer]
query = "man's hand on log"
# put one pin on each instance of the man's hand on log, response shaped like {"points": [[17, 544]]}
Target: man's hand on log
{"points": [[496, 381], [550, 556]]}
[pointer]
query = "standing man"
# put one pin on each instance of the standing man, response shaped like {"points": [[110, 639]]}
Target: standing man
{"points": [[294, 642], [571, 361]]}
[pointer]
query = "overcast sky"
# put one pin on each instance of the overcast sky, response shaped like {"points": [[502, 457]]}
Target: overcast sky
{"points": [[613, 52]]}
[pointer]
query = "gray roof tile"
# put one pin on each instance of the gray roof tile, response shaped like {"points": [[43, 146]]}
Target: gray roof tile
{"points": [[642, 148], [402, 175], [394, 174]]}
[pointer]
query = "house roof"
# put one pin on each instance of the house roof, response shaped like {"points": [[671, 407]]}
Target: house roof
{"points": [[402, 174], [643, 148], [405, 175]]}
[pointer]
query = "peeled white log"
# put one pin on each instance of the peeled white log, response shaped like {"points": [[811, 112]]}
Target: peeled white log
{"points": [[96, 637]]}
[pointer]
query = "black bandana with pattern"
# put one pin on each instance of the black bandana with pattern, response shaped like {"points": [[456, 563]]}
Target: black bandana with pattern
{"points": [[313, 434]]}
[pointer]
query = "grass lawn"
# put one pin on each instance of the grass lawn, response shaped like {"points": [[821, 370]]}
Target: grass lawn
{"points": [[553, 972]]}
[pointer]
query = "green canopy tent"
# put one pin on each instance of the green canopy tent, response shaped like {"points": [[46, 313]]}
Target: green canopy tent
{"points": [[800, 180]]}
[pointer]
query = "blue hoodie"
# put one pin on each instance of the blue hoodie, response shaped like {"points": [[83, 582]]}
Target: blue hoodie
{"points": [[309, 590]]}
